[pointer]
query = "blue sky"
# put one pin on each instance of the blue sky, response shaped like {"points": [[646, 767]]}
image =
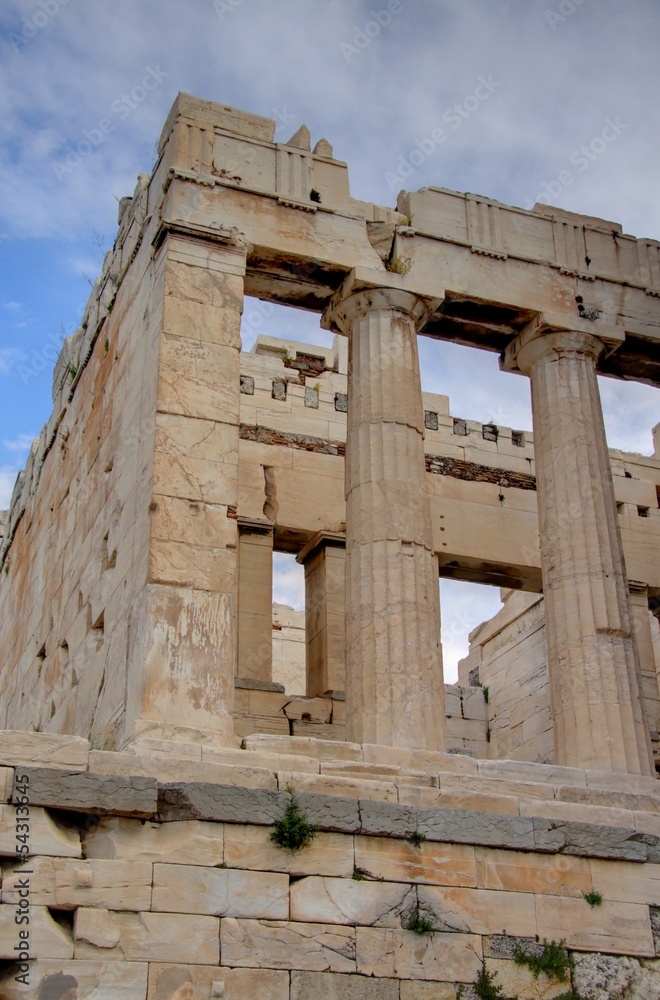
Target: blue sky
{"points": [[556, 72]]}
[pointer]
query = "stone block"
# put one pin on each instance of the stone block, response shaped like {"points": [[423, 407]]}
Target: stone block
{"points": [[479, 911], [430, 863], [350, 901], [47, 938], [285, 945], [518, 981], [106, 980], [401, 954], [618, 928], [505, 805], [604, 977], [146, 937], [45, 749], [169, 768], [169, 982], [519, 770], [312, 985], [269, 761], [389, 772], [626, 881], [430, 761], [81, 791], [251, 847], [221, 803], [66, 883], [326, 750], [419, 990], [601, 841], [572, 812], [220, 892], [330, 812], [184, 843], [326, 784], [514, 871], [46, 835]]}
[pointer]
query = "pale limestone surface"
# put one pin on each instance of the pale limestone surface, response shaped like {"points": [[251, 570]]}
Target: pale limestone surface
{"points": [[287, 945], [400, 954], [145, 937], [109, 980], [220, 892], [65, 884], [122, 839]]}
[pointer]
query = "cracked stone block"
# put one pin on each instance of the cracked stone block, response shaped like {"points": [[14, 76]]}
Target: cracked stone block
{"points": [[247, 385], [312, 397], [341, 402], [430, 420], [279, 388], [460, 427]]}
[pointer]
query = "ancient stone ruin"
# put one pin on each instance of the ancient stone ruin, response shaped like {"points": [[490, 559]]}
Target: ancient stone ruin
{"points": [[169, 737]]}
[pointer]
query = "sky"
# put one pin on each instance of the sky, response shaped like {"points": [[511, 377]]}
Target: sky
{"points": [[375, 79]]}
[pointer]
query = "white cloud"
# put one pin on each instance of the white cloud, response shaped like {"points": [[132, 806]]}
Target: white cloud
{"points": [[9, 358], [7, 479], [21, 444]]}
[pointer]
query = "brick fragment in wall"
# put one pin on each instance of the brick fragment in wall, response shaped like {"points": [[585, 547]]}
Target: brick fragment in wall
{"points": [[341, 402], [489, 432], [301, 442], [279, 389], [518, 438], [458, 469], [247, 385], [430, 420], [460, 427], [307, 364], [312, 397]]}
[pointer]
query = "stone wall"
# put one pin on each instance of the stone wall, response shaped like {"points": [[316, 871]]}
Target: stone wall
{"points": [[153, 875], [508, 653]]}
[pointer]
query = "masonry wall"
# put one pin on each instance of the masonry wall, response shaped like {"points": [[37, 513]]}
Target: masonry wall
{"points": [[153, 878], [75, 553]]}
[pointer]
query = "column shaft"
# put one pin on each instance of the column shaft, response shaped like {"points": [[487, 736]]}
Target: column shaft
{"points": [[394, 684], [592, 656]]}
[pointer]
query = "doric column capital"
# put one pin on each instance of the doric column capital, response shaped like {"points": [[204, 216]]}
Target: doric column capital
{"points": [[543, 339], [364, 290]]}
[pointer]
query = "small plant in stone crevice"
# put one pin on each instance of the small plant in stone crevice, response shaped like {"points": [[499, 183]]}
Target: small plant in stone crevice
{"points": [[416, 838], [553, 960], [484, 986], [593, 898], [398, 265], [419, 920], [293, 832]]}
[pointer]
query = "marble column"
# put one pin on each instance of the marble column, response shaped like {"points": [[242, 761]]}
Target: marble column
{"points": [[394, 683], [593, 661]]}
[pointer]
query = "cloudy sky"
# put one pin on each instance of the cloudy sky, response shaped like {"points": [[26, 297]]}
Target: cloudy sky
{"points": [[373, 78]]}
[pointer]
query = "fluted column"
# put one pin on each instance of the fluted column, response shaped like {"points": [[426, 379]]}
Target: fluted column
{"points": [[593, 662], [394, 683]]}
